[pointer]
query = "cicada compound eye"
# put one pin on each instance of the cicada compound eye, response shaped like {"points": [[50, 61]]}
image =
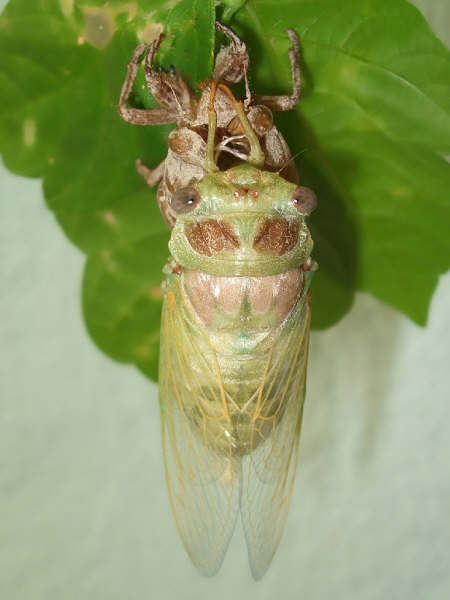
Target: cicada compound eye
{"points": [[304, 200], [184, 200]]}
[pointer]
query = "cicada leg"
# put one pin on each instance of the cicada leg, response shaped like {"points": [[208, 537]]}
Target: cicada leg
{"points": [[151, 176], [281, 103], [139, 116], [170, 90], [232, 61]]}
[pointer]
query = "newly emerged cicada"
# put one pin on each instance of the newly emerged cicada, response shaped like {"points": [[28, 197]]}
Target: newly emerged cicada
{"points": [[236, 314]]}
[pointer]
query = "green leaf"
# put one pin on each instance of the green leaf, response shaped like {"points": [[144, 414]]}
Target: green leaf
{"points": [[370, 131], [122, 301], [190, 30], [229, 7]]}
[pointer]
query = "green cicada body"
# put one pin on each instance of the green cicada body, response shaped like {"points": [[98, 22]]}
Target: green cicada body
{"points": [[235, 319], [234, 345]]}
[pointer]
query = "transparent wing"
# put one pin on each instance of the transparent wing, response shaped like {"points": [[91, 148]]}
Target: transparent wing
{"points": [[268, 472], [202, 475]]}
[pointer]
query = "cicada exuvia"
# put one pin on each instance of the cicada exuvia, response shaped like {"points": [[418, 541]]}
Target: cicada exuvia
{"points": [[236, 312]]}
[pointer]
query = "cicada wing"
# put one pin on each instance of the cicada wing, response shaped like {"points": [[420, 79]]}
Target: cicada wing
{"points": [[268, 472], [202, 475]]}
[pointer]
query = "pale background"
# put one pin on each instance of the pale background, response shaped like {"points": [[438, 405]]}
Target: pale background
{"points": [[83, 507]]}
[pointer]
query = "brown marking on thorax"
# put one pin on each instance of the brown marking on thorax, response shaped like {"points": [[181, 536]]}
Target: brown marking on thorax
{"points": [[211, 236], [276, 236]]}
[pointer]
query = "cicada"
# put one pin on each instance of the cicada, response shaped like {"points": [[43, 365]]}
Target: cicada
{"points": [[236, 312]]}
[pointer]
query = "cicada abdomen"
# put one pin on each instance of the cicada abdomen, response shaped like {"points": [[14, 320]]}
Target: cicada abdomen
{"points": [[235, 320]]}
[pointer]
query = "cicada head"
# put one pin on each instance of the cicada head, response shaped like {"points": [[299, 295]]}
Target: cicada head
{"points": [[243, 221]]}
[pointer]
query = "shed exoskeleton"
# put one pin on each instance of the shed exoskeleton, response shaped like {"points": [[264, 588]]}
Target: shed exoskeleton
{"points": [[185, 161]]}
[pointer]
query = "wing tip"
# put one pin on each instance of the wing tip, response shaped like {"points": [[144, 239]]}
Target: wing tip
{"points": [[258, 574], [209, 569], [259, 568]]}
